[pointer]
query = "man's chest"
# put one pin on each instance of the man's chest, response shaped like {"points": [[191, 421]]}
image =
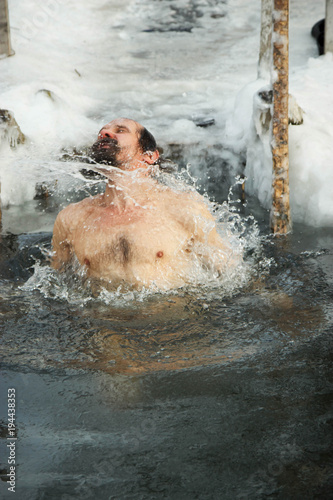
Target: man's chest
{"points": [[107, 239]]}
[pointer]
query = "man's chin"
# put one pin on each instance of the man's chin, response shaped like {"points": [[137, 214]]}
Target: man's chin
{"points": [[105, 152]]}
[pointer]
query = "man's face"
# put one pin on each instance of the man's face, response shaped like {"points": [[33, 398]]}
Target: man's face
{"points": [[118, 144]]}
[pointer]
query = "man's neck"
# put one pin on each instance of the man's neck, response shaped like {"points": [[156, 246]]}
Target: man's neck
{"points": [[125, 190]]}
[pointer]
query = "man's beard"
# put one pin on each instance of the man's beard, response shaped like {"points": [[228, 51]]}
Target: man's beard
{"points": [[105, 151]]}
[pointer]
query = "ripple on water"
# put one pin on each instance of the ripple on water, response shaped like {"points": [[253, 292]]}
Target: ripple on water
{"points": [[52, 324]]}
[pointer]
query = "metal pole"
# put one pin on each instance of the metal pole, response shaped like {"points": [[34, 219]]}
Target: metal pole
{"points": [[265, 53], [5, 45], [329, 27], [280, 213]]}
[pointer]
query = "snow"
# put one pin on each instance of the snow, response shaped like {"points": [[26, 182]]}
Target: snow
{"points": [[77, 65]]}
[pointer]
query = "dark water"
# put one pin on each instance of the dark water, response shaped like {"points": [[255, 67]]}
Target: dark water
{"points": [[184, 396]]}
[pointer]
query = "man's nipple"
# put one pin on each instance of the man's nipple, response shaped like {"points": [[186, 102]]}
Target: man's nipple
{"points": [[159, 254]]}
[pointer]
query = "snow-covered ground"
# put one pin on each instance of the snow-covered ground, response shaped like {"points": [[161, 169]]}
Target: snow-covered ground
{"points": [[164, 63]]}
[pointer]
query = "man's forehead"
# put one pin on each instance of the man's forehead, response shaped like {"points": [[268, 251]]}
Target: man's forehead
{"points": [[131, 125]]}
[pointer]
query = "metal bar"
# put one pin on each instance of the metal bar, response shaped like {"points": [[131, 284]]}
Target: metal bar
{"points": [[5, 45], [329, 27], [265, 52]]}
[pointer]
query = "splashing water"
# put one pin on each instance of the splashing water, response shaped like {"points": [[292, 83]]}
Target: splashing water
{"points": [[241, 233]]}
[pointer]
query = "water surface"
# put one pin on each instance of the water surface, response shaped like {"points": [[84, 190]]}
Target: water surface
{"points": [[194, 394]]}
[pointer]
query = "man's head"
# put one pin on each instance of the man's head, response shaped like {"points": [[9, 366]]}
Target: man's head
{"points": [[125, 144]]}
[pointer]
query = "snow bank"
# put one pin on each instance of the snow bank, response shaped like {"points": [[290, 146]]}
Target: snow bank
{"points": [[80, 64]]}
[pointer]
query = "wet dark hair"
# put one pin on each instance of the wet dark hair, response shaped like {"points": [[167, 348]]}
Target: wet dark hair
{"points": [[147, 141]]}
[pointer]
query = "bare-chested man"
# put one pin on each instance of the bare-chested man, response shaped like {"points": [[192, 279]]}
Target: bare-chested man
{"points": [[137, 232]]}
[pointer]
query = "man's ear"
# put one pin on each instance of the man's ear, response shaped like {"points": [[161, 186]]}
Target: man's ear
{"points": [[151, 157]]}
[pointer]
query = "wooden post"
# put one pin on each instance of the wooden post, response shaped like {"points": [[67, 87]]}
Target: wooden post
{"points": [[5, 45], [265, 52], [280, 213], [329, 27]]}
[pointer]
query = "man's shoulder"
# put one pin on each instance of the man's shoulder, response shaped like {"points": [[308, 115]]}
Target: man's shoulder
{"points": [[76, 211], [187, 201]]}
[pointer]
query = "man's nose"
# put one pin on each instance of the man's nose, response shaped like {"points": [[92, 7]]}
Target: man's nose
{"points": [[105, 133]]}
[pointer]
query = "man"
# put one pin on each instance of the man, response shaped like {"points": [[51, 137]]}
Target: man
{"points": [[137, 232]]}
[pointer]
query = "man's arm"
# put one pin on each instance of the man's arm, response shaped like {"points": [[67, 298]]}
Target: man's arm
{"points": [[62, 251]]}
